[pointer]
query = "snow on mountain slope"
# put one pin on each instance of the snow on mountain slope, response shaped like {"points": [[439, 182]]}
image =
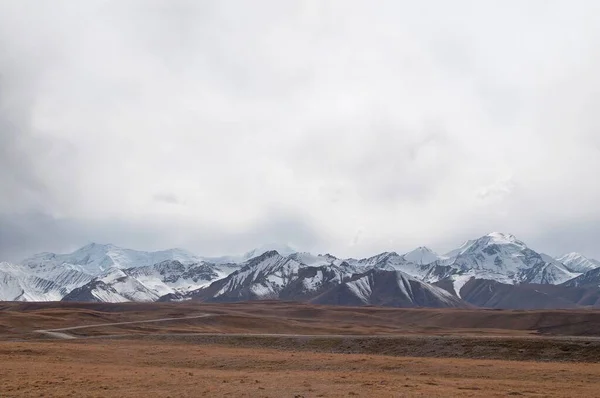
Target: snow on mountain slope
{"points": [[314, 261], [460, 249], [261, 277], [391, 261], [495, 252], [18, 283], [175, 277], [496, 256], [458, 281], [67, 277], [127, 286], [10, 285], [576, 262], [589, 278], [113, 286], [95, 291], [549, 271], [504, 258], [272, 275], [148, 283], [388, 288], [26, 288], [286, 274], [282, 249], [421, 256], [95, 258]]}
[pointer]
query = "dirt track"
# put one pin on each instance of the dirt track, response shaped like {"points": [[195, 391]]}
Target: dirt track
{"points": [[295, 350], [280, 317], [139, 368], [60, 333], [300, 327]]}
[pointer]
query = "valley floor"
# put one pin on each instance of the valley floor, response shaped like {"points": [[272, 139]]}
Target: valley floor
{"points": [[131, 368], [293, 350]]}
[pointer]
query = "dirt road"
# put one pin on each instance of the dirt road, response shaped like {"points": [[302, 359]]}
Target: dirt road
{"points": [[60, 333]]}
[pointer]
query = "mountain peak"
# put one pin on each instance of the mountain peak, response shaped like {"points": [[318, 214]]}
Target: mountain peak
{"points": [[94, 258], [96, 246], [577, 262], [282, 249], [502, 237], [571, 256], [262, 257], [421, 255], [424, 249]]}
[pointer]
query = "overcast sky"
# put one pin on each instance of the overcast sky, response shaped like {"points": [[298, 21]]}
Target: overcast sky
{"points": [[349, 127]]}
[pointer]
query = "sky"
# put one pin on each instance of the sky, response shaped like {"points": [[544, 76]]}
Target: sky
{"points": [[349, 127]]}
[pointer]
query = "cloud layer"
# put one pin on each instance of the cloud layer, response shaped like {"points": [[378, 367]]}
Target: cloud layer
{"points": [[340, 126]]}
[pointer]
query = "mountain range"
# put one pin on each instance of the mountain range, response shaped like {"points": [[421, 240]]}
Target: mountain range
{"points": [[494, 271]]}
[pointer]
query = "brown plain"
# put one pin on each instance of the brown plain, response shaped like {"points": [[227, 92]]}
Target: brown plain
{"points": [[370, 352]]}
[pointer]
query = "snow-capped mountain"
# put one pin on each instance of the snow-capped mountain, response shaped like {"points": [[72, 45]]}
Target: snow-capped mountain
{"points": [[273, 276], [95, 258], [504, 258], [283, 249], [108, 273], [496, 256], [422, 256], [388, 288], [391, 261], [16, 285], [93, 269], [500, 255], [548, 271], [19, 283], [576, 262], [417, 259], [589, 278], [270, 274], [112, 286], [50, 276], [148, 283]]}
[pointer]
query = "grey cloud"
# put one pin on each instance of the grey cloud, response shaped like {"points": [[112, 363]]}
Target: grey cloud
{"points": [[19, 179], [167, 198], [412, 123], [580, 236], [22, 235]]}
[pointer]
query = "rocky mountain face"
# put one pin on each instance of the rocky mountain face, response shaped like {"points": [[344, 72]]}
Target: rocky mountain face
{"points": [[50, 276], [388, 288], [113, 286], [95, 258], [576, 262], [496, 256], [493, 294], [149, 283], [504, 258], [51, 283], [273, 276], [496, 270], [590, 278]]}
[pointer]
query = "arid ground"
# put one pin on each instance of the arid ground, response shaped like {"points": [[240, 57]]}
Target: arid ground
{"points": [[271, 349]]}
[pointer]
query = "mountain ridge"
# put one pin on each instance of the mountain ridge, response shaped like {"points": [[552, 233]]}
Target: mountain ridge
{"points": [[108, 272]]}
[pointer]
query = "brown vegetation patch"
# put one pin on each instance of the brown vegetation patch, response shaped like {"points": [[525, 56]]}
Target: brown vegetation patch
{"points": [[133, 368]]}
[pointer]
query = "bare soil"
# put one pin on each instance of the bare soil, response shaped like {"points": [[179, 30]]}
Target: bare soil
{"points": [[133, 368], [18, 320], [274, 349]]}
